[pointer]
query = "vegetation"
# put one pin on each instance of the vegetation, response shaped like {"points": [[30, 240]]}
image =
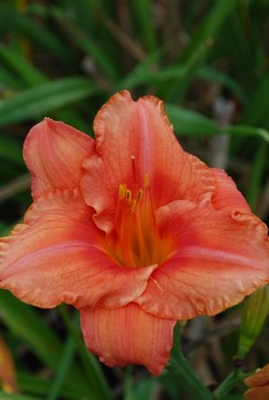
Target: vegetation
{"points": [[208, 61]]}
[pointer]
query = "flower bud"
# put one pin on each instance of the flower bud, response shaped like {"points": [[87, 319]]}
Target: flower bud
{"points": [[255, 312]]}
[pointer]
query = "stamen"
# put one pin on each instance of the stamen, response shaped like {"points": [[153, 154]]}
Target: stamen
{"points": [[122, 191], [138, 242]]}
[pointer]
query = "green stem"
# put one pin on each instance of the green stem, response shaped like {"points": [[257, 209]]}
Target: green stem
{"points": [[185, 376], [229, 383]]}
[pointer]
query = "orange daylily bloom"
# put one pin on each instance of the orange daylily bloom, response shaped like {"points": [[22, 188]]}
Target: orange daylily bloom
{"points": [[259, 385], [131, 230]]}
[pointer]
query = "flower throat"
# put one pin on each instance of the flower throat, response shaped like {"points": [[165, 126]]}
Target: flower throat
{"points": [[139, 243]]}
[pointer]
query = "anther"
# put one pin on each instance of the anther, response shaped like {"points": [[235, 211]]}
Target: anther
{"points": [[122, 191]]}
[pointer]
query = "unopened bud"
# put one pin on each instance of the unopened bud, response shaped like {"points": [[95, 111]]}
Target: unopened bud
{"points": [[255, 312]]}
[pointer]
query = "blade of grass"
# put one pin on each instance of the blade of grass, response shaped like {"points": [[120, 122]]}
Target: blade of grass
{"points": [[243, 130], [14, 21], [27, 324], [256, 110], [143, 10], [43, 99], [10, 150], [200, 43], [145, 73], [209, 27], [62, 369], [9, 82], [91, 47], [37, 386], [256, 176], [213, 75], [100, 388], [240, 51], [11, 396], [188, 122], [21, 65]]}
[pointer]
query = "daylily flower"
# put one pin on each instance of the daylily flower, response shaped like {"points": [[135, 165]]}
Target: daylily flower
{"points": [[131, 230], [259, 385]]}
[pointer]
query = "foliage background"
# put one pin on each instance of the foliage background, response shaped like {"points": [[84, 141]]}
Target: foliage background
{"points": [[208, 60]]}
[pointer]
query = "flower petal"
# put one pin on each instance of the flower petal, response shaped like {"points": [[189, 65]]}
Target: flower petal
{"points": [[57, 256], [257, 393], [220, 257], [259, 385], [128, 335], [53, 153], [259, 378], [226, 194], [134, 138]]}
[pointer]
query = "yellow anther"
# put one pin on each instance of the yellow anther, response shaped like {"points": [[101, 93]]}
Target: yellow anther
{"points": [[122, 191], [146, 180]]}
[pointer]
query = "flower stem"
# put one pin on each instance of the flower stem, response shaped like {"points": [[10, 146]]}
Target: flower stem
{"points": [[229, 382], [185, 376]]}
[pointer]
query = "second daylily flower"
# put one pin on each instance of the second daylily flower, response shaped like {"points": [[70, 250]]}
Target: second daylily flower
{"points": [[131, 230]]}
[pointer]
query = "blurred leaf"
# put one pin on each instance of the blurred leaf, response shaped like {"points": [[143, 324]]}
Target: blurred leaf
{"points": [[43, 99], [145, 73], [12, 21], [9, 82], [64, 365], [33, 384], [21, 65], [239, 48], [145, 390], [144, 12], [188, 122], [94, 50], [26, 323], [93, 369], [196, 50], [242, 130], [10, 149], [257, 172], [210, 26], [256, 110], [213, 75], [10, 396]]}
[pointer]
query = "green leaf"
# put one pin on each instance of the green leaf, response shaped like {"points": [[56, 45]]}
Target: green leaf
{"points": [[94, 50], [62, 369], [256, 110], [257, 173], [210, 26], [46, 98], [21, 65], [242, 130], [27, 324], [144, 11], [38, 386], [14, 21], [187, 122], [10, 150], [93, 369], [213, 75], [11, 396]]}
